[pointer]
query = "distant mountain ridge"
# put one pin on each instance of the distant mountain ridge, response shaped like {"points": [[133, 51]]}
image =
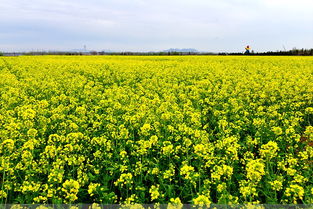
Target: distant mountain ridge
{"points": [[181, 50]]}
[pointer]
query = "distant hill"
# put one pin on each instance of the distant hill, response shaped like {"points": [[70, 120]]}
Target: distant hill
{"points": [[79, 50], [181, 50], [109, 51]]}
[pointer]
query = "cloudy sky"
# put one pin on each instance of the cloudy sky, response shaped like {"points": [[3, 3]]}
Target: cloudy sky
{"points": [[144, 25]]}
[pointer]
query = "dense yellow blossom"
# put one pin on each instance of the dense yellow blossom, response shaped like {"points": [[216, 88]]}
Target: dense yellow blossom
{"points": [[276, 185], [8, 145], [255, 170], [247, 189], [202, 200], [3, 194], [277, 130], [187, 171], [125, 178], [175, 203], [161, 129], [296, 191], [269, 150], [224, 171], [70, 188], [154, 192], [92, 188]]}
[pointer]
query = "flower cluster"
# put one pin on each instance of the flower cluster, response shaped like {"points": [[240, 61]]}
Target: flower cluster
{"points": [[168, 129]]}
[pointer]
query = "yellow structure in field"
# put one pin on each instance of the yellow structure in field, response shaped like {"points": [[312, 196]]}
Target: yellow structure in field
{"points": [[247, 49]]}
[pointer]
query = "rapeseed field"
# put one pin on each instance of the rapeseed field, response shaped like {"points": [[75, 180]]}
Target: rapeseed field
{"points": [[149, 129]]}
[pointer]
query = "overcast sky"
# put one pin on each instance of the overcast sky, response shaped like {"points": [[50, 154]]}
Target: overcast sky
{"points": [[144, 25]]}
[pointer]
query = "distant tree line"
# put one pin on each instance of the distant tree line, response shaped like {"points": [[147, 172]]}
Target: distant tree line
{"points": [[106, 53], [156, 53], [293, 52]]}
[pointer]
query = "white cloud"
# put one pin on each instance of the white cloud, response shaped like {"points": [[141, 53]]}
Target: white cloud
{"points": [[151, 25]]}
